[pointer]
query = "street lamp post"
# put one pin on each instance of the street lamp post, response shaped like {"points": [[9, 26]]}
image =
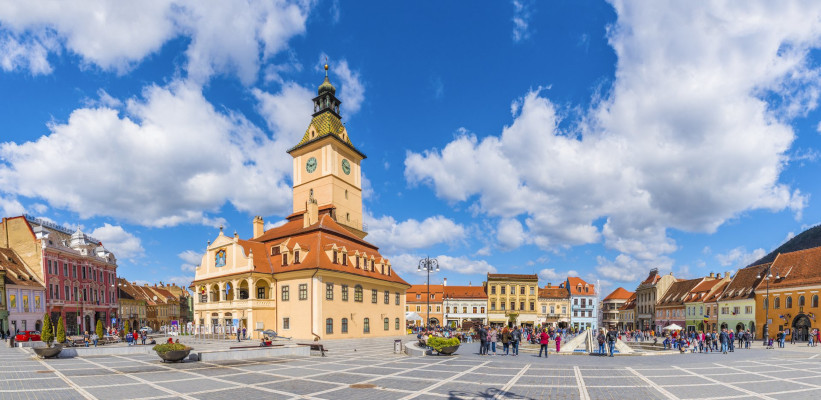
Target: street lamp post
{"points": [[767, 273], [428, 264]]}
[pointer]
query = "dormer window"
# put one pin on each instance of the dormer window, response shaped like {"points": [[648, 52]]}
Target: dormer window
{"points": [[383, 270], [344, 259], [335, 261], [274, 250], [284, 259], [296, 256], [357, 262]]}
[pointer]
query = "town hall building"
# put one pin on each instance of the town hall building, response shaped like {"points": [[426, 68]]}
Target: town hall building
{"points": [[314, 276]]}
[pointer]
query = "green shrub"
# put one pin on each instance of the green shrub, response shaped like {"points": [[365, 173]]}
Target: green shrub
{"points": [[99, 329], [166, 347], [61, 330], [126, 328], [47, 334], [437, 343]]}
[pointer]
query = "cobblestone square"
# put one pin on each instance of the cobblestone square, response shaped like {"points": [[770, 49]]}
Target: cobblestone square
{"points": [[377, 373]]}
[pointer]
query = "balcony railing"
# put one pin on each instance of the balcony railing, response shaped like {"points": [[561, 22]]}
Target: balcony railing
{"points": [[245, 303]]}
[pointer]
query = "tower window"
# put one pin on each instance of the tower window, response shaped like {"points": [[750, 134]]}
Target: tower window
{"points": [[348, 217], [346, 194]]}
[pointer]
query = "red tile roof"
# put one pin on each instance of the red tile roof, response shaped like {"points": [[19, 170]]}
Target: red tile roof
{"points": [[573, 284], [553, 293], [713, 297], [17, 273], [629, 304], [678, 293], [798, 268], [744, 283], [422, 290], [465, 292], [619, 294]]}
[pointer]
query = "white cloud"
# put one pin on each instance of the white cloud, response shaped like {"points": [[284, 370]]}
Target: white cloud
{"points": [[510, 233], [392, 236], [224, 37], [30, 55], [407, 264], [739, 257], [123, 244], [183, 281], [555, 277], [191, 259], [10, 206], [170, 159], [624, 268], [272, 225], [685, 139], [521, 19]]}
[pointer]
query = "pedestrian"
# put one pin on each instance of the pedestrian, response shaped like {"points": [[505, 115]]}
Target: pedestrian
{"points": [[94, 338], [243, 333], [730, 341], [723, 338], [492, 338], [558, 343], [544, 340], [143, 336], [482, 332], [611, 340], [810, 339], [817, 337], [516, 337], [600, 339], [506, 340]]}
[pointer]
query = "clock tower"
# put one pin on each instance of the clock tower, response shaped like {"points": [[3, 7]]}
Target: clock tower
{"points": [[327, 165]]}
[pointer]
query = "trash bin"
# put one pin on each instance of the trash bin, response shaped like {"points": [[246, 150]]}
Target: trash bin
{"points": [[397, 346]]}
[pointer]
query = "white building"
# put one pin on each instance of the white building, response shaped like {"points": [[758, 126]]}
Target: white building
{"points": [[465, 303], [24, 294]]}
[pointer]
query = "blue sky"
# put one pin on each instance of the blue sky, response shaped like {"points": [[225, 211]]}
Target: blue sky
{"points": [[598, 139]]}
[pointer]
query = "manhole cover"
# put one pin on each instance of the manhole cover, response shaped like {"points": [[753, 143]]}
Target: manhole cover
{"points": [[363, 386], [44, 372]]}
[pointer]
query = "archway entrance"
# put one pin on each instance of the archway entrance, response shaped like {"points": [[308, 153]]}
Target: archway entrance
{"points": [[751, 326], [433, 322], [723, 325], [739, 327], [801, 327], [38, 326], [87, 325]]}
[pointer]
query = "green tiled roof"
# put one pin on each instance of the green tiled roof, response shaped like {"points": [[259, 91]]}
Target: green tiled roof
{"points": [[325, 124]]}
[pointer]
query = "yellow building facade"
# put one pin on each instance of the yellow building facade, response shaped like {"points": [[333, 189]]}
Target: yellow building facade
{"points": [[315, 276], [512, 299]]}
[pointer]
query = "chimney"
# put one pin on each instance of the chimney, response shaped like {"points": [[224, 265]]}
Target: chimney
{"points": [[712, 274], [727, 274], [259, 226], [311, 212], [445, 282]]}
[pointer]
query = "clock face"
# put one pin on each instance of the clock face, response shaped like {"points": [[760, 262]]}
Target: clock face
{"points": [[311, 165], [346, 167]]}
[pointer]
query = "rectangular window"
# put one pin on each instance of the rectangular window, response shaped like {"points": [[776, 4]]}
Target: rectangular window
{"points": [[344, 259], [418, 308], [397, 298], [482, 310], [286, 323], [387, 297], [521, 305], [296, 256], [83, 269], [329, 325], [344, 292], [387, 323], [502, 305], [374, 295], [748, 310], [532, 306], [68, 293], [367, 326], [552, 309], [465, 310], [503, 287], [474, 310], [335, 260], [576, 302], [575, 313], [73, 271], [512, 306], [49, 267], [432, 297], [521, 290], [303, 291], [284, 258], [286, 293], [357, 262], [736, 310], [65, 269], [85, 295], [344, 325], [564, 310], [261, 293], [329, 291], [493, 306], [532, 290]]}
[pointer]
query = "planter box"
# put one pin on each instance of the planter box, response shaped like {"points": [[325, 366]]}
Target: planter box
{"points": [[48, 352], [448, 350], [174, 356]]}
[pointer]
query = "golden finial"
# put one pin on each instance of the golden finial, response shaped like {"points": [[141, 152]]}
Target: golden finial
{"points": [[326, 66]]}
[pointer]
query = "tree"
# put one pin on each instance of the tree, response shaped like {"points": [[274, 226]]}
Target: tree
{"points": [[100, 328], [47, 335], [61, 330], [126, 328]]}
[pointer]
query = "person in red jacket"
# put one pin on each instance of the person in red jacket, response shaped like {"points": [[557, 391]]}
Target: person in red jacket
{"points": [[544, 340]]}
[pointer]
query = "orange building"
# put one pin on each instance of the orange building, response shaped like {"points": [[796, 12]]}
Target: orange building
{"points": [[428, 304], [791, 289]]}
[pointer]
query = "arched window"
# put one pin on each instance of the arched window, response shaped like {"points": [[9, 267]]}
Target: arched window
{"points": [[329, 325], [801, 301], [777, 303], [396, 323], [366, 327], [788, 302], [357, 293], [814, 303], [387, 323], [344, 325]]}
